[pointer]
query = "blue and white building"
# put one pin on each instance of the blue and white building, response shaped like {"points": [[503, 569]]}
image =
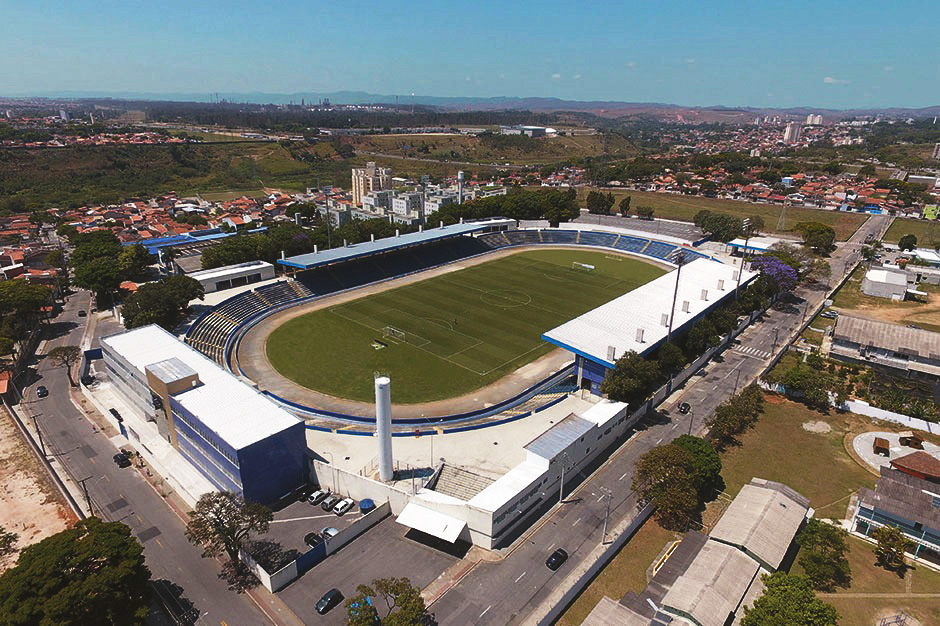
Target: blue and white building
{"points": [[236, 437]]}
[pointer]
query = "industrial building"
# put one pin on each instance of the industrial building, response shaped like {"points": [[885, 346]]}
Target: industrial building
{"points": [[707, 580], [231, 433], [239, 275], [641, 320], [912, 352], [885, 283]]}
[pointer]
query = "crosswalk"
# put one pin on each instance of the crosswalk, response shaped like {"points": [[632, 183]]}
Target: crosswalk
{"points": [[748, 350]]}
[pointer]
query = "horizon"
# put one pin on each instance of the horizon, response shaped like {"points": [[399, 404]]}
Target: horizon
{"points": [[683, 54]]}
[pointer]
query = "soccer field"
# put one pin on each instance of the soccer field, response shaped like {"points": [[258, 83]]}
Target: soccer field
{"points": [[451, 334]]}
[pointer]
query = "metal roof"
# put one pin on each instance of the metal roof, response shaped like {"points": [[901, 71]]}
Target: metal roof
{"points": [[170, 370], [431, 522], [368, 248], [229, 270], [911, 341], [635, 320], [762, 519], [237, 413], [556, 439]]}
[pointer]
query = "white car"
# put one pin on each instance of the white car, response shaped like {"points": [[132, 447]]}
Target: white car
{"points": [[343, 506]]}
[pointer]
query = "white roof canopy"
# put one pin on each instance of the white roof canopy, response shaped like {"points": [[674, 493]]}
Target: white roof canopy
{"points": [[431, 522]]}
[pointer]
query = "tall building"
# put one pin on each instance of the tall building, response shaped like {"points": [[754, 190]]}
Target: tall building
{"points": [[792, 133], [369, 178], [814, 120], [936, 151]]}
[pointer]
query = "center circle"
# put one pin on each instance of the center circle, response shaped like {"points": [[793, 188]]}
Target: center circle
{"points": [[506, 298]]}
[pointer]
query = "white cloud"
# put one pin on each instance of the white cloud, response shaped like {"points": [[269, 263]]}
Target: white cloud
{"points": [[577, 77], [888, 68], [631, 63], [829, 80], [556, 76], [502, 76], [689, 61], [467, 78]]}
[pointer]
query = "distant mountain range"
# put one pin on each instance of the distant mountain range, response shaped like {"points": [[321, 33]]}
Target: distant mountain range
{"points": [[607, 108]]}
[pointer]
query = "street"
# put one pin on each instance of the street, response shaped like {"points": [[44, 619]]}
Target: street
{"points": [[186, 582]]}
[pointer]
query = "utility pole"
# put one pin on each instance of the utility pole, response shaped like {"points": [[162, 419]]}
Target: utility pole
{"points": [[680, 259], [607, 494], [42, 444], [692, 416], [561, 485], [776, 335], [736, 380], [747, 237], [82, 482]]}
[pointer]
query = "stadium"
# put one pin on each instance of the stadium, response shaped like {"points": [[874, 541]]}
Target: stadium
{"points": [[495, 339]]}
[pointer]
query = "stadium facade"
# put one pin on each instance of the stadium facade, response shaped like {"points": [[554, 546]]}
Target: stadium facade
{"points": [[234, 436]]}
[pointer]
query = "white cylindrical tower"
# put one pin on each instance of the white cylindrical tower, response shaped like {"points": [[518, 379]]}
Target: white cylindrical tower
{"points": [[460, 187], [383, 426]]}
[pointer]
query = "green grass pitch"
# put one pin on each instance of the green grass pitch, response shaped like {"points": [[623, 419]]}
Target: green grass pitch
{"points": [[461, 330]]}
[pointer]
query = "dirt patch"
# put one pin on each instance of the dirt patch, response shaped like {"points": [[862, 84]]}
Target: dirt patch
{"points": [[909, 312], [30, 505], [817, 427], [774, 398]]}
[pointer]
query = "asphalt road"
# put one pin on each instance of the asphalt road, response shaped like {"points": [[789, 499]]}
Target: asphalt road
{"points": [[188, 582], [505, 592]]}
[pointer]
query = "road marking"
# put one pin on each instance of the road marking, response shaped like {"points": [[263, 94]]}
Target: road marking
{"points": [[485, 610], [660, 441], [674, 426], [300, 519], [520, 576], [577, 520], [622, 477], [550, 547], [158, 542], [601, 497]]}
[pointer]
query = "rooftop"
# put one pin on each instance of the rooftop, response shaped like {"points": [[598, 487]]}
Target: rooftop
{"points": [[239, 414], [556, 439], [638, 320], [219, 272], [887, 276], [910, 341], [919, 462]]}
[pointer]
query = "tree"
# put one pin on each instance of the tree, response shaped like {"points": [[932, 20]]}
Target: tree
{"points": [[404, 605], [55, 259], [133, 260], [735, 415], [818, 237], [756, 224], [777, 274], [100, 275], [707, 464], [631, 380], [789, 599], [91, 573], [822, 555], [66, 356], [222, 521], [645, 212], [624, 205], [599, 203], [670, 358], [665, 477], [892, 544], [721, 226], [96, 244], [7, 542], [164, 302], [908, 242]]}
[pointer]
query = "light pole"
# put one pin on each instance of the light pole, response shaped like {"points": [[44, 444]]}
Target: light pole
{"points": [[680, 258], [737, 378], [607, 494], [561, 485], [82, 482], [42, 444], [776, 335], [747, 236], [691, 420]]}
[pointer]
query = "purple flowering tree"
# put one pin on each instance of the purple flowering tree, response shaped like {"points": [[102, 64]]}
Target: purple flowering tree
{"points": [[781, 275]]}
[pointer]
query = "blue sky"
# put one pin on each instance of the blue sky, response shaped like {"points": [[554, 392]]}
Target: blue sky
{"points": [[823, 53]]}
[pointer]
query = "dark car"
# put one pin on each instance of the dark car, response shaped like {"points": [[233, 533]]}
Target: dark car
{"points": [[684, 408], [329, 502], [122, 459], [313, 539], [302, 493], [330, 599], [88, 379], [82, 313], [556, 559], [41, 391]]}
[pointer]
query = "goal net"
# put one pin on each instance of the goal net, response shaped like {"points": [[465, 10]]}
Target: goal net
{"points": [[394, 333], [582, 267]]}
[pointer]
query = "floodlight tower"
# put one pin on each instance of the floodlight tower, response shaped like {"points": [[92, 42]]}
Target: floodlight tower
{"points": [[383, 426]]}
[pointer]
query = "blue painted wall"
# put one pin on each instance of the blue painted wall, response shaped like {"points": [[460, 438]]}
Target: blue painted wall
{"points": [[274, 466]]}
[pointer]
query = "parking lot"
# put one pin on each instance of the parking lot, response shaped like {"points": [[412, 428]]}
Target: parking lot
{"points": [[382, 551], [293, 522]]}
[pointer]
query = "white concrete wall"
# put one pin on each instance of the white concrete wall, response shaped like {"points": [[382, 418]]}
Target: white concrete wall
{"points": [[357, 487]]}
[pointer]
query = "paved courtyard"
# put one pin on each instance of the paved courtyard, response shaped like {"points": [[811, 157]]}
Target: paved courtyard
{"points": [[863, 447]]}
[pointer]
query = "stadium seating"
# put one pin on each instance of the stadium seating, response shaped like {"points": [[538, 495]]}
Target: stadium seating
{"points": [[659, 249], [560, 236]]}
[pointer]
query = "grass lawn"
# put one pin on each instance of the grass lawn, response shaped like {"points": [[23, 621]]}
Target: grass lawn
{"points": [[625, 572], [453, 333], [684, 208], [926, 231], [221, 196]]}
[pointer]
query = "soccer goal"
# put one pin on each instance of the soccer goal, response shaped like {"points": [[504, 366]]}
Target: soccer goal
{"points": [[582, 267], [394, 333]]}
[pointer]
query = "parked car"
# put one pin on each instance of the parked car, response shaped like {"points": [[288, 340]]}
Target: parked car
{"points": [[317, 496], [302, 493], [829, 315], [329, 532], [82, 313], [330, 501], [41, 391], [122, 459], [556, 559], [88, 379], [330, 599], [684, 408], [343, 506], [313, 539]]}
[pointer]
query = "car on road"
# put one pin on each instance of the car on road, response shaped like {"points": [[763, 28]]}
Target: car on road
{"points": [[556, 559], [684, 408], [343, 506], [330, 599], [829, 315], [914, 326], [313, 539], [317, 496], [41, 391], [122, 459], [82, 313], [330, 501], [329, 532]]}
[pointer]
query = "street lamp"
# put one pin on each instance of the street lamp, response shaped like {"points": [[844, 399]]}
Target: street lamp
{"points": [[680, 259], [691, 419], [747, 236], [561, 486]]}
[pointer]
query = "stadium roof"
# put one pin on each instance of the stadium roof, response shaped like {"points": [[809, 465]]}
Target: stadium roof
{"points": [[238, 414], [638, 320], [763, 519], [368, 248]]}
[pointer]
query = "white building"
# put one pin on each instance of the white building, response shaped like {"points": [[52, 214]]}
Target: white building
{"points": [[884, 283], [792, 132], [369, 178], [237, 275]]}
